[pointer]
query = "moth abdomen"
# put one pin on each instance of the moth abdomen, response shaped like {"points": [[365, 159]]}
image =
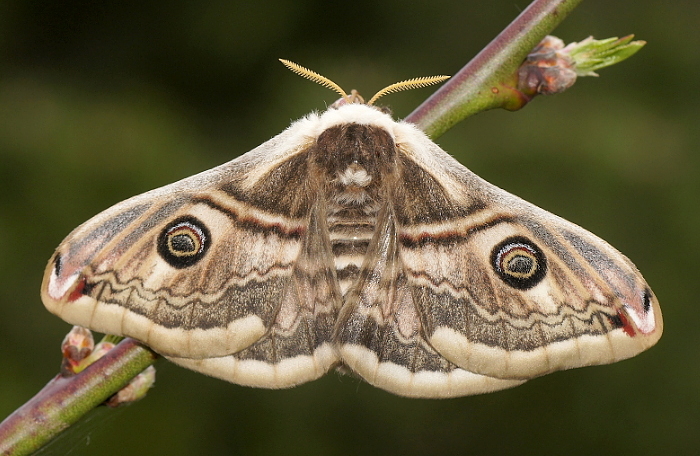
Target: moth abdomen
{"points": [[350, 239]]}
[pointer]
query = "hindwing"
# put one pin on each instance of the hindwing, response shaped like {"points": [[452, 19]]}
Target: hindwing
{"points": [[381, 335]]}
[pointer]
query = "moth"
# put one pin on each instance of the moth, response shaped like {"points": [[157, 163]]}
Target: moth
{"points": [[351, 240]]}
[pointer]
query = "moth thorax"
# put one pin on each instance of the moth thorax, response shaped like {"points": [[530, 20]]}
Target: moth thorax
{"points": [[352, 150]]}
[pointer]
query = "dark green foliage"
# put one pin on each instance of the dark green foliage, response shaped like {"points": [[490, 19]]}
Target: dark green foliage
{"points": [[100, 101]]}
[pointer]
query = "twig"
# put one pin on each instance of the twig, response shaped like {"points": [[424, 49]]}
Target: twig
{"points": [[490, 79], [64, 400]]}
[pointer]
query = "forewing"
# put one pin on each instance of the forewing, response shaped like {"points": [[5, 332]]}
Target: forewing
{"points": [[506, 289], [197, 269]]}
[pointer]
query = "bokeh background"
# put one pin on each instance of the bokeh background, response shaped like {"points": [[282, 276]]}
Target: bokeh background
{"points": [[103, 100]]}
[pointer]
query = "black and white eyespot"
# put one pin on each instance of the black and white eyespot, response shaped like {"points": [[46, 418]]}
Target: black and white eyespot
{"points": [[519, 262], [183, 242]]}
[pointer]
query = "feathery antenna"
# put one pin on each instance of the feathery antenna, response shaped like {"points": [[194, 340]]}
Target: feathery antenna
{"points": [[408, 84], [397, 87], [317, 78]]}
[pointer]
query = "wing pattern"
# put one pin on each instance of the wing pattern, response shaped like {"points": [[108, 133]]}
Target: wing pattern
{"points": [[352, 240]]}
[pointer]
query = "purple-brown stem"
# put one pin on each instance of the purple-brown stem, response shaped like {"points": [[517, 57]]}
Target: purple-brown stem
{"points": [[490, 79]]}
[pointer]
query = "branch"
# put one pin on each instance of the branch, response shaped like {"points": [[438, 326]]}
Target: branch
{"points": [[65, 399], [490, 79]]}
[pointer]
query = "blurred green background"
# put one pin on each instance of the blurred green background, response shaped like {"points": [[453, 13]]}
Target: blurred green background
{"points": [[103, 100]]}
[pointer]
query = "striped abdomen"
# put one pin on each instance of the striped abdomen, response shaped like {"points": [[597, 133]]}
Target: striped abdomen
{"points": [[352, 217]]}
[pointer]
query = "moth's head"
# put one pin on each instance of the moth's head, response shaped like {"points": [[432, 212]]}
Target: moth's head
{"points": [[355, 97]]}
